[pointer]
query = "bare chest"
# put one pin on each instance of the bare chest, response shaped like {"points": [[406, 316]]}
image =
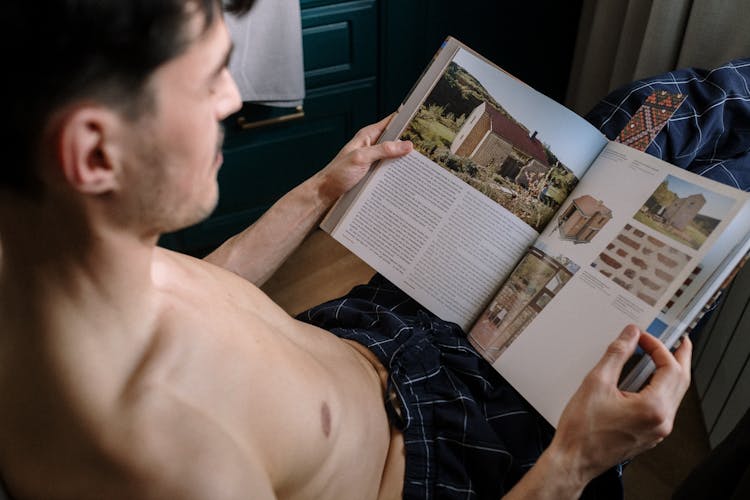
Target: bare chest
{"points": [[309, 404]]}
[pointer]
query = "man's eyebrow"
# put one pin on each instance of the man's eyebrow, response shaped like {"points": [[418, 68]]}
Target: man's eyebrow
{"points": [[225, 62]]}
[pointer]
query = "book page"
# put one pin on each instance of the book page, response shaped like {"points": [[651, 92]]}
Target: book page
{"points": [[617, 252], [493, 161], [519, 148], [689, 301], [704, 279], [442, 242]]}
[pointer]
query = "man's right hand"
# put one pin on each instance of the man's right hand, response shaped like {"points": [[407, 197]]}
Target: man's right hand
{"points": [[354, 160]]}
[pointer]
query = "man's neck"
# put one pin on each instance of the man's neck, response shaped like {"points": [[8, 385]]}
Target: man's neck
{"points": [[52, 267]]}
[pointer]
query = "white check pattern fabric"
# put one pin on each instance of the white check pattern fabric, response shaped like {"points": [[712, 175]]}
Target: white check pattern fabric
{"points": [[709, 134], [468, 434]]}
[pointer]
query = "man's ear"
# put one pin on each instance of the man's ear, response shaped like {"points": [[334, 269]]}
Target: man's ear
{"points": [[84, 149]]}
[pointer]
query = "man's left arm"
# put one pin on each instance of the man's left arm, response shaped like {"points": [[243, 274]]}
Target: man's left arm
{"points": [[259, 250]]}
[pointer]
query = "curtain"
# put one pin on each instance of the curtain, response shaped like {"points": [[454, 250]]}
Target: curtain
{"points": [[623, 40]]}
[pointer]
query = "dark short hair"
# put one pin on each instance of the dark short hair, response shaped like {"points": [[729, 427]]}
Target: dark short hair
{"points": [[238, 6], [60, 51]]}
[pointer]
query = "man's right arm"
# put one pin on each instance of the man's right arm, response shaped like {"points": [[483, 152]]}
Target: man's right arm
{"points": [[602, 426], [258, 251]]}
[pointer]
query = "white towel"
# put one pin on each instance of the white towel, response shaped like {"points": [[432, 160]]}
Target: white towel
{"points": [[267, 61]]}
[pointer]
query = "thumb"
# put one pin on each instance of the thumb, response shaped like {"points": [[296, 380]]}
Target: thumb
{"points": [[382, 151], [618, 352]]}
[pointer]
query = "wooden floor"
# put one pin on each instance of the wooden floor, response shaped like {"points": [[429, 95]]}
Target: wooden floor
{"points": [[655, 474], [322, 269]]}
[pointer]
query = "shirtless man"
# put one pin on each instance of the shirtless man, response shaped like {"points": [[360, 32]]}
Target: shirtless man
{"points": [[128, 371]]}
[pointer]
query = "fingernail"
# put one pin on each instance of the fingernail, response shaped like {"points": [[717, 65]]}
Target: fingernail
{"points": [[629, 333]]}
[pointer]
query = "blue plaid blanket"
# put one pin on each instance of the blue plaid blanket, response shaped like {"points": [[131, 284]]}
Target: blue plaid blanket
{"points": [[709, 134]]}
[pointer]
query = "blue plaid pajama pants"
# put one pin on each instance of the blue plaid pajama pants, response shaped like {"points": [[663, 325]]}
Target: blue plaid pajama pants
{"points": [[468, 434]]}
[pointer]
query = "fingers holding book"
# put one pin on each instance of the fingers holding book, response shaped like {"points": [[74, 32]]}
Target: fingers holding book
{"points": [[602, 425]]}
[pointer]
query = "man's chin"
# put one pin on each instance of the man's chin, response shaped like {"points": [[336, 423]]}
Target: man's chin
{"points": [[200, 214], [205, 211], [218, 161]]}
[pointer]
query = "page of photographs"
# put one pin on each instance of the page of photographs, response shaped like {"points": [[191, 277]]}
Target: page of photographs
{"points": [[627, 246]]}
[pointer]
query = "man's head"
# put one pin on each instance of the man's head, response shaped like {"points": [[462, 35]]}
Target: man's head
{"points": [[84, 69]]}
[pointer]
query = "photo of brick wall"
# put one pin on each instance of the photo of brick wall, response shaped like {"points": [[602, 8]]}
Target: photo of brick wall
{"points": [[641, 264], [680, 291], [528, 290]]}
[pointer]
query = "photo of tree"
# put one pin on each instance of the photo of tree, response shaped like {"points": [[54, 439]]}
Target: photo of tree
{"points": [[467, 131], [683, 211]]}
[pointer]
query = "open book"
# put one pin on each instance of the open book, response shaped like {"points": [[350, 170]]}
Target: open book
{"points": [[522, 223]]}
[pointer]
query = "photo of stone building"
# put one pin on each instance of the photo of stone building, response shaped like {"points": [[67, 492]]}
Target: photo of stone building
{"points": [[583, 219], [685, 212], [491, 139], [682, 211], [465, 126]]}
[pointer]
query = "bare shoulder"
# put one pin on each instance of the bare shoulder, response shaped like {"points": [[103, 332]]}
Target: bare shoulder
{"points": [[176, 440], [214, 292], [175, 272], [169, 265]]}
